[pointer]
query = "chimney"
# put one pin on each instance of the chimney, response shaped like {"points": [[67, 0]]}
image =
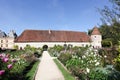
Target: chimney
{"points": [[49, 31]]}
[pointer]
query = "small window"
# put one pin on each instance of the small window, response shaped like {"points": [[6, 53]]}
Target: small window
{"points": [[82, 45], [6, 45], [1, 41], [1, 45]]}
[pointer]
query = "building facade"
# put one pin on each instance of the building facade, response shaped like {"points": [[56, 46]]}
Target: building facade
{"points": [[7, 41], [96, 38], [39, 38]]}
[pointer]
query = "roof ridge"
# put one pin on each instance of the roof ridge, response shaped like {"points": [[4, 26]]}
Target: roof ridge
{"points": [[56, 35], [95, 31], [53, 30]]}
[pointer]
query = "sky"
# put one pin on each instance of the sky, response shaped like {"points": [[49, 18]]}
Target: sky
{"points": [[71, 15]]}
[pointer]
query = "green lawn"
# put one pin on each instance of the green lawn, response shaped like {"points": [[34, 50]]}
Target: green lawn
{"points": [[65, 73]]}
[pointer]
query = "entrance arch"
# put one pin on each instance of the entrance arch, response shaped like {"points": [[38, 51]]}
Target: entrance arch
{"points": [[45, 47]]}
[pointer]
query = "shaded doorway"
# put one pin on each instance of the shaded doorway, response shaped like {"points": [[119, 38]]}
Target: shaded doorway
{"points": [[45, 47]]}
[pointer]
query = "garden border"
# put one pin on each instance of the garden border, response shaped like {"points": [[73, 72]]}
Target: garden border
{"points": [[36, 71], [65, 69]]}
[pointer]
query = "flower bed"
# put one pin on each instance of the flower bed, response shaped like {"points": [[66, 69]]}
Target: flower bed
{"points": [[88, 64], [16, 64]]}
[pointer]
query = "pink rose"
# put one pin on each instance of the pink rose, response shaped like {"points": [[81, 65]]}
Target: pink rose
{"points": [[0, 55], [9, 66], [5, 59], [2, 72]]}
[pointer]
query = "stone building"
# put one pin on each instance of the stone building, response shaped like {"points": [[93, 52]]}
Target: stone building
{"points": [[96, 38], [49, 38], [7, 41]]}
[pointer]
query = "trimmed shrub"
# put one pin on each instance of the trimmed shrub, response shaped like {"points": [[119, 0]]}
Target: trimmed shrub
{"points": [[106, 43]]}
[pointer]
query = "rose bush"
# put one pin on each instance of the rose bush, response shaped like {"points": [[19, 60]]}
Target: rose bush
{"points": [[6, 64]]}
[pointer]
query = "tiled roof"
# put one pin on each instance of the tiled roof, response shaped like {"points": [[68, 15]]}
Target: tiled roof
{"points": [[52, 36], [12, 34], [2, 34], [95, 31]]}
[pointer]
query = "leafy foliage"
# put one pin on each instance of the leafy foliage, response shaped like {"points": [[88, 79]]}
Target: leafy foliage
{"points": [[111, 16], [97, 75], [106, 73], [89, 64], [25, 59], [16, 47], [117, 63], [106, 43], [64, 57], [55, 51]]}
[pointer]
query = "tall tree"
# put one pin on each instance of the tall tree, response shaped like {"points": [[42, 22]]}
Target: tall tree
{"points": [[111, 16]]}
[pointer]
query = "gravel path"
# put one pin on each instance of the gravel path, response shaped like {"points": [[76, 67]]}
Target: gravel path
{"points": [[47, 69]]}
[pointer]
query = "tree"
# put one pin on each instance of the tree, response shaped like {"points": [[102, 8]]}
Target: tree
{"points": [[111, 16], [16, 47]]}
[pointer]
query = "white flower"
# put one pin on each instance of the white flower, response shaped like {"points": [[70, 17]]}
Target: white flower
{"points": [[91, 52], [105, 56], [95, 55], [84, 56], [90, 61], [95, 60], [88, 70], [97, 63], [79, 57]]}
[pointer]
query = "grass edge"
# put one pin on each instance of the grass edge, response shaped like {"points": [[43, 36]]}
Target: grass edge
{"points": [[65, 73], [31, 74]]}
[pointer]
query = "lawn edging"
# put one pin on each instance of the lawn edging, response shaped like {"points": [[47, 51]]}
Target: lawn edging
{"points": [[32, 73], [64, 71]]}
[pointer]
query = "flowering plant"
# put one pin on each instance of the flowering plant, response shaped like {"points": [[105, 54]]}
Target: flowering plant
{"points": [[6, 64]]}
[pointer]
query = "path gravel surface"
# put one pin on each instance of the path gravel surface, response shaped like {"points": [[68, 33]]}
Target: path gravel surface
{"points": [[47, 69]]}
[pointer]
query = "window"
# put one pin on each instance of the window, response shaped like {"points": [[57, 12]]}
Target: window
{"points": [[6, 45], [1, 45], [1, 41], [82, 45]]}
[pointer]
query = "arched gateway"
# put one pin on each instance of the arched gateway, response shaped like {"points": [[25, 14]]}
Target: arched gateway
{"points": [[45, 47]]}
